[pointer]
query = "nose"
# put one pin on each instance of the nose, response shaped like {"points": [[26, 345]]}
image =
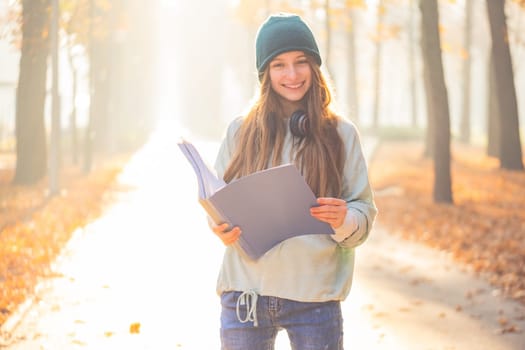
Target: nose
{"points": [[291, 71]]}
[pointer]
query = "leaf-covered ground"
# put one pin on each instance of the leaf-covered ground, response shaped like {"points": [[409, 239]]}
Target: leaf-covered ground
{"points": [[484, 229], [34, 226]]}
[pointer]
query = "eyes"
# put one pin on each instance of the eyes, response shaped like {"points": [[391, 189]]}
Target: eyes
{"points": [[279, 64]]}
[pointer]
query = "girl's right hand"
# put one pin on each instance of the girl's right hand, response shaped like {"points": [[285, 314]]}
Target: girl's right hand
{"points": [[226, 236]]}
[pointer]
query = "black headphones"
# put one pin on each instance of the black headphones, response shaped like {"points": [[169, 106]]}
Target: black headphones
{"points": [[299, 124]]}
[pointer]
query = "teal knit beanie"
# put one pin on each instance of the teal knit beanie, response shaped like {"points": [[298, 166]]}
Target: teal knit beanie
{"points": [[282, 33]]}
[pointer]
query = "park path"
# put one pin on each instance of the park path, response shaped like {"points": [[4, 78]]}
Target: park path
{"points": [[142, 276]]}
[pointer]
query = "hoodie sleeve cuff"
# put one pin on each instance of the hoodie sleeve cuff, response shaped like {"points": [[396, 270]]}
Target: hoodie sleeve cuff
{"points": [[347, 229]]}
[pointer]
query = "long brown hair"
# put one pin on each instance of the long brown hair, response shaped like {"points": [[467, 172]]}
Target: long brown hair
{"points": [[260, 139]]}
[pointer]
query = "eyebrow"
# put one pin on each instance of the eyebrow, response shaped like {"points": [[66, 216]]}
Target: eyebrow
{"points": [[295, 58]]}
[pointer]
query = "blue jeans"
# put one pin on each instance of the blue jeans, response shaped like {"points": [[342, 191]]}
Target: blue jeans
{"points": [[310, 326]]}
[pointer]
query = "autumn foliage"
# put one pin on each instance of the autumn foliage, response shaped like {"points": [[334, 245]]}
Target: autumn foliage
{"points": [[484, 229], [34, 226]]}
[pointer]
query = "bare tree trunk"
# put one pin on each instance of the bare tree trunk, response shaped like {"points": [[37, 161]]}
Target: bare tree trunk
{"points": [[55, 135], [73, 112], [88, 138], [517, 53], [378, 59], [464, 128], [100, 97], [429, 139], [438, 93], [353, 99], [493, 124], [31, 147], [510, 152], [412, 66], [328, 37]]}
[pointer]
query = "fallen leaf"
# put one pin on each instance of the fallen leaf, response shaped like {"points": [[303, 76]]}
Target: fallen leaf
{"points": [[369, 307], [134, 328], [509, 329]]}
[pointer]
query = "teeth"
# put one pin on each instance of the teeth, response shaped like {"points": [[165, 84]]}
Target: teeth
{"points": [[296, 86]]}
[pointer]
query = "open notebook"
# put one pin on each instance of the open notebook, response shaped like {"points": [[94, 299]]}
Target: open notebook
{"points": [[269, 206]]}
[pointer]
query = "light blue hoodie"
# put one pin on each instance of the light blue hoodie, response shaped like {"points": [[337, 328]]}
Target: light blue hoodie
{"points": [[309, 268]]}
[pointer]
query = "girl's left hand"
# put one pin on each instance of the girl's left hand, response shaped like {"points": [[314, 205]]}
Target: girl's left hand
{"points": [[330, 210]]}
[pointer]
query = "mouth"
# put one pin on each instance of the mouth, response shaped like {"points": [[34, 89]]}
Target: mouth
{"points": [[294, 86]]}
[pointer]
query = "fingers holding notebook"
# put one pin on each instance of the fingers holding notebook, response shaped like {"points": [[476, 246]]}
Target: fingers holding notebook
{"points": [[225, 235]]}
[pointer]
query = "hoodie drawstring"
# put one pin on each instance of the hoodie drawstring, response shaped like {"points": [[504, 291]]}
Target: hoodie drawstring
{"points": [[248, 298]]}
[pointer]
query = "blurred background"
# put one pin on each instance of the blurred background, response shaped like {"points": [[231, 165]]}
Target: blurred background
{"points": [[436, 87], [96, 76]]}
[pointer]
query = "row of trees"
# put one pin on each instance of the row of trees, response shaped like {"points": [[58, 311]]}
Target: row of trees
{"points": [[112, 39], [504, 117], [503, 120]]}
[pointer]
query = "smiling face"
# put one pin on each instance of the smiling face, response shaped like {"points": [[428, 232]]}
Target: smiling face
{"points": [[290, 76]]}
